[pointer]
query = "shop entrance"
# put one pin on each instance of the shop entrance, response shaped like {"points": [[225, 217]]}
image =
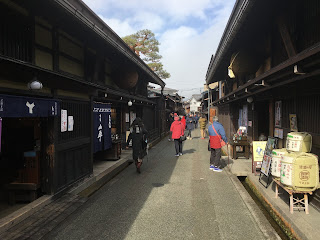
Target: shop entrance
{"points": [[262, 113], [21, 152]]}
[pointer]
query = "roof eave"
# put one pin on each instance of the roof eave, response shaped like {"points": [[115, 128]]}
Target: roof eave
{"points": [[115, 41], [239, 12]]}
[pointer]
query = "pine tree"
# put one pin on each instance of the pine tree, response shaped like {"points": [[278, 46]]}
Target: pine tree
{"points": [[145, 45]]}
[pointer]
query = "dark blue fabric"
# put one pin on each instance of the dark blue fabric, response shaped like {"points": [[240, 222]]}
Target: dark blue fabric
{"points": [[19, 106], [190, 123], [101, 127]]}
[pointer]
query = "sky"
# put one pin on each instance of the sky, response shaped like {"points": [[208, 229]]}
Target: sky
{"points": [[189, 32]]}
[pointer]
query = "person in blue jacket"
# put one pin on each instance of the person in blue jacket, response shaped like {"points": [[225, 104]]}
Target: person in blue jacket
{"points": [[190, 125], [216, 133]]}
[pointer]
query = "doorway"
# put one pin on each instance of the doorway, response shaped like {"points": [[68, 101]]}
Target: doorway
{"points": [[262, 118], [20, 158]]}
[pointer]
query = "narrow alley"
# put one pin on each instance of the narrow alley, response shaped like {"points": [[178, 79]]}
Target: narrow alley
{"points": [[173, 198]]}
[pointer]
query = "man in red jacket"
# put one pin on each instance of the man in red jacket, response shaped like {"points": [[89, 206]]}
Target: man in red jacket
{"points": [[177, 129]]}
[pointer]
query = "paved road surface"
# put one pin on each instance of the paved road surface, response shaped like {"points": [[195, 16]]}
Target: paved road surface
{"points": [[173, 198]]}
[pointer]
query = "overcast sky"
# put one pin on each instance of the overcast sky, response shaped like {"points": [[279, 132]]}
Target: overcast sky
{"points": [[189, 32]]}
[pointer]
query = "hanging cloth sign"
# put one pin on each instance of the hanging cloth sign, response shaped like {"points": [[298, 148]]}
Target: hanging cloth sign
{"points": [[101, 126], [19, 106]]}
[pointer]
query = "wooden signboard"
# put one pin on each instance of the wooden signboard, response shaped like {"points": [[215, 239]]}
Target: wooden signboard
{"points": [[266, 161], [258, 148]]}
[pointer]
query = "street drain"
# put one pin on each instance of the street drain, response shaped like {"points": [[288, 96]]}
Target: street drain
{"points": [[157, 184], [265, 212]]}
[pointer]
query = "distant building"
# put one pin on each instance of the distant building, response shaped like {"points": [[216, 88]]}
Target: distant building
{"points": [[195, 103]]}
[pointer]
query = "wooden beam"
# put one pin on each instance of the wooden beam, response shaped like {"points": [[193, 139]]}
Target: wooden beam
{"points": [[286, 38], [286, 64]]}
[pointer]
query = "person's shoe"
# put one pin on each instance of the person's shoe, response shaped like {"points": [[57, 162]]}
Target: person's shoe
{"points": [[190, 138], [202, 138], [139, 165], [177, 155], [180, 154], [169, 140], [211, 167], [216, 169]]}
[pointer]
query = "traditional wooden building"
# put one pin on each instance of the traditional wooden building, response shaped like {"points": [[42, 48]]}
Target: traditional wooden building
{"points": [[267, 66], [68, 83]]}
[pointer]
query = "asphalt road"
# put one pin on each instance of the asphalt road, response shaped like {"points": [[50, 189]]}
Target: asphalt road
{"points": [[173, 198]]}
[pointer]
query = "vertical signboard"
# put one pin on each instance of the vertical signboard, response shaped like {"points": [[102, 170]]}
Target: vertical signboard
{"points": [[64, 120], [267, 158], [258, 148], [101, 126]]}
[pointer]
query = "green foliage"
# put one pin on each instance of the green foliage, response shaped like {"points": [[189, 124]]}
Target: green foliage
{"points": [[145, 45]]}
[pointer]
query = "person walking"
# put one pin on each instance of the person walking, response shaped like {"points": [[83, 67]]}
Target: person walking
{"points": [[177, 129], [138, 135], [202, 124], [183, 120], [216, 133], [196, 120], [170, 120], [190, 125]]}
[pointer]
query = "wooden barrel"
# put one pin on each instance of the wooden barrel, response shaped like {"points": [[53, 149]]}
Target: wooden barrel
{"points": [[126, 78]]}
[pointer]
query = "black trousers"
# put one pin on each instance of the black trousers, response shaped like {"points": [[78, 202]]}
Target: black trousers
{"points": [[215, 157], [178, 145], [189, 133]]}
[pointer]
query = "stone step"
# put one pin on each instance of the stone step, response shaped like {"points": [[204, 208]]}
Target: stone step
{"points": [[42, 222]]}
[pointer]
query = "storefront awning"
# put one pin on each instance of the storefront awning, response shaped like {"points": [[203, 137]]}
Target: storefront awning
{"points": [[20, 106]]}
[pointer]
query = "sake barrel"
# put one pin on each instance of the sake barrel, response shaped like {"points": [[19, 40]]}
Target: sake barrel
{"points": [[286, 168], [300, 171], [299, 142], [276, 155], [305, 172]]}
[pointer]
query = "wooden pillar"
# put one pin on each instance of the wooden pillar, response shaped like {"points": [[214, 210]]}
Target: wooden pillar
{"points": [[271, 117]]}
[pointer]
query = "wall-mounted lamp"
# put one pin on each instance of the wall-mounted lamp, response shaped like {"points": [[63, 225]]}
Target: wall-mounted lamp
{"points": [[263, 83], [34, 84], [250, 99], [130, 103], [298, 70], [105, 95]]}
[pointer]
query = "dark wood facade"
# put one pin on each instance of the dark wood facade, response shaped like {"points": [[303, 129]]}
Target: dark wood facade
{"points": [[79, 60], [273, 50]]}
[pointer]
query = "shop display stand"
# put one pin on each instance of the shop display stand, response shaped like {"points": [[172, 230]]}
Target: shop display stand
{"points": [[267, 182], [295, 203]]}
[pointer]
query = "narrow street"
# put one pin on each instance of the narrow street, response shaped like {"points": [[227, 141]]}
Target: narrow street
{"points": [[173, 198]]}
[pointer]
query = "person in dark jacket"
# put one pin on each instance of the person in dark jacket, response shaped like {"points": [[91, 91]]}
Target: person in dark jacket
{"points": [[196, 120], [138, 135], [170, 120], [190, 125], [216, 133]]}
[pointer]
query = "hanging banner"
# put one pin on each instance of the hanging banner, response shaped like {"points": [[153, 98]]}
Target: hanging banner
{"points": [[64, 120], [101, 126], [19, 106], [277, 114]]}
